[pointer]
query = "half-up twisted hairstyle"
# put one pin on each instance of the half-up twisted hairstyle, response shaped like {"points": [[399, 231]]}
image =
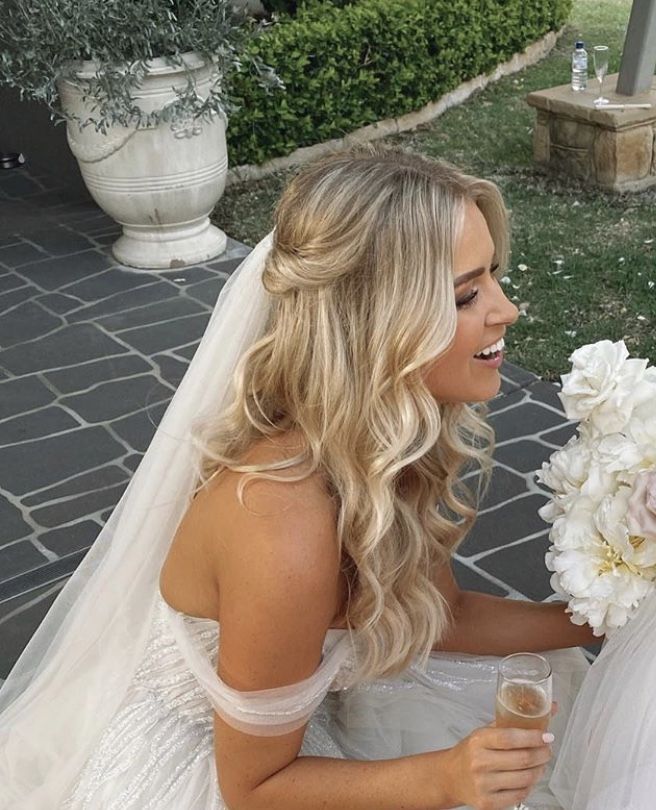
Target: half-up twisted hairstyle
{"points": [[361, 271]]}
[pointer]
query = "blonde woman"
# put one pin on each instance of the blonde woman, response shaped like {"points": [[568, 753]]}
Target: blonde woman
{"points": [[269, 620]]}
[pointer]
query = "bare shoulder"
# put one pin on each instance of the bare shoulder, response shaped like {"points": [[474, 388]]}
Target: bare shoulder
{"points": [[305, 503], [277, 566]]}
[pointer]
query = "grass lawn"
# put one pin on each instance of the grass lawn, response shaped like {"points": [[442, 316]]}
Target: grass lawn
{"points": [[583, 260]]}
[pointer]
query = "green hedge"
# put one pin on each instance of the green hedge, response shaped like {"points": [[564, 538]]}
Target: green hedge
{"points": [[347, 67]]}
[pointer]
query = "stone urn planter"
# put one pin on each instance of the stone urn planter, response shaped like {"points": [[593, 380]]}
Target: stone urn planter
{"points": [[161, 182]]}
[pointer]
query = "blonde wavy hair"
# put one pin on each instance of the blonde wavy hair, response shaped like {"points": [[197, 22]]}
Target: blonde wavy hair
{"points": [[361, 274]]}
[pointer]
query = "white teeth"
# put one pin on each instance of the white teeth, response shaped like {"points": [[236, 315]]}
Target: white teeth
{"points": [[495, 347]]}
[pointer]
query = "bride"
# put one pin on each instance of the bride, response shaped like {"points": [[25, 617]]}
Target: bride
{"points": [[269, 618]]}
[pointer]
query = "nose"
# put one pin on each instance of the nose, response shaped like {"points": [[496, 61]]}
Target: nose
{"points": [[503, 310]]}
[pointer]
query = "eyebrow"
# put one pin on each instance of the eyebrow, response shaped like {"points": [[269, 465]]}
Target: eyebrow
{"points": [[467, 276]]}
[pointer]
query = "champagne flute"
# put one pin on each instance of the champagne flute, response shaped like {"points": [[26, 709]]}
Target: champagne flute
{"points": [[600, 59], [524, 693]]}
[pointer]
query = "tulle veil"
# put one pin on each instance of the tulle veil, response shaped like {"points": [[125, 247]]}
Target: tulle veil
{"points": [[74, 672]]}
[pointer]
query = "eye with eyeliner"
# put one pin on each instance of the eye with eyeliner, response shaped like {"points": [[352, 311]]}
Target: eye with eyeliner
{"points": [[465, 302]]}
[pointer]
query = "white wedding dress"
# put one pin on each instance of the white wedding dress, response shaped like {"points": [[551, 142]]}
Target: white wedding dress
{"points": [[157, 751], [608, 756]]}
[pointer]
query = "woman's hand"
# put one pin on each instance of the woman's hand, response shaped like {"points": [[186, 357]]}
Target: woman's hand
{"points": [[496, 768]]}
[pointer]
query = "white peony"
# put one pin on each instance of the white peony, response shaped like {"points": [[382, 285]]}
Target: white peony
{"points": [[576, 528]]}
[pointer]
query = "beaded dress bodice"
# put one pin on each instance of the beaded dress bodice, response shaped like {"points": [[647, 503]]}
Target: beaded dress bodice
{"points": [[161, 738]]}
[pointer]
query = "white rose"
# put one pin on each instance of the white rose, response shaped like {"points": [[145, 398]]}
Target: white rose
{"points": [[645, 397], [603, 385]]}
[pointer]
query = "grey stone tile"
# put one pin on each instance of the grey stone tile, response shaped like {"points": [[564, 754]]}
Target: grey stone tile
{"points": [[58, 241], [188, 275], [77, 378], [80, 507], [207, 291], [97, 222], [66, 347], [188, 352], [105, 239], [51, 274], [10, 281], [12, 525], [26, 322], [561, 435], [507, 386], [524, 456], [514, 397], [14, 297], [101, 478], [118, 398], [228, 265], [19, 618], [137, 430], [519, 376], [44, 462], [522, 567], [58, 303], [152, 339], [503, 486], [170, 369], [67, 539], [234, 250], [38, 577], [19, 557], [18, 184], [23, 394], [23, 253], [116, 280], [504, 525], [157, 291], [133, 461], [470, 580], [10, 239], [153, 313], [525, 420], [61, 199], [43, 422], [546, 392]]}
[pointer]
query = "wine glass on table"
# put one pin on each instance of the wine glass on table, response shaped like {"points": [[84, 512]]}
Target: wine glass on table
{"points": [[600, 60], [524, 694]]}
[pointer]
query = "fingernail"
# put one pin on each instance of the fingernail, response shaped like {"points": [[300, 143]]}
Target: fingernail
{"points": [[548, 737]]}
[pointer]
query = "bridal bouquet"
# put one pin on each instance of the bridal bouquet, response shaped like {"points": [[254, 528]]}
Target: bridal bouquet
{"points": [[603, 505]]}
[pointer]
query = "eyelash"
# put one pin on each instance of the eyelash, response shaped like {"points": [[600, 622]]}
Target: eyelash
{"points": [[467, 302]]}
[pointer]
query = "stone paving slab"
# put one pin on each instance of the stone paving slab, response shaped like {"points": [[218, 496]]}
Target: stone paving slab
{"points": [[91, 353]]}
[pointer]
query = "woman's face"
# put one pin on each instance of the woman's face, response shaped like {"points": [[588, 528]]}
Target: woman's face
{"points": [[484, 313]]}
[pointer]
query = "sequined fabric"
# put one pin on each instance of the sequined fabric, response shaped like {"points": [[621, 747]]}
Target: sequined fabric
{"points": [[158, 751]]}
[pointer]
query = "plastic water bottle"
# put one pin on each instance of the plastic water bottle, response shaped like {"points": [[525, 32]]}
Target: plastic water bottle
{"points": [[579, 66]]}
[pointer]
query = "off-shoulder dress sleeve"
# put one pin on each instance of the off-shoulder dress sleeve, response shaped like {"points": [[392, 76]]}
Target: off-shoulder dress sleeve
{"points": [[264, 712]]}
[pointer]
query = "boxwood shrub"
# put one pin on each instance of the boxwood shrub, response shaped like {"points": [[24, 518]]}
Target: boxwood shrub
{"points": [[351, 65]]}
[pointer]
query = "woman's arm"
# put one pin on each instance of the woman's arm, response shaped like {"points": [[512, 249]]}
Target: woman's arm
{"points": [[277, 576], [492, 625]]}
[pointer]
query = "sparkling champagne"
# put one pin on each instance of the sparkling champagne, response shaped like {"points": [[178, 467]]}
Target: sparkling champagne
{"points": [[523, 705]]}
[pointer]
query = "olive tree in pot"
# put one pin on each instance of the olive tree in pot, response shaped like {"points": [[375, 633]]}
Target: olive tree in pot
{"points": [[144, 90]]}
